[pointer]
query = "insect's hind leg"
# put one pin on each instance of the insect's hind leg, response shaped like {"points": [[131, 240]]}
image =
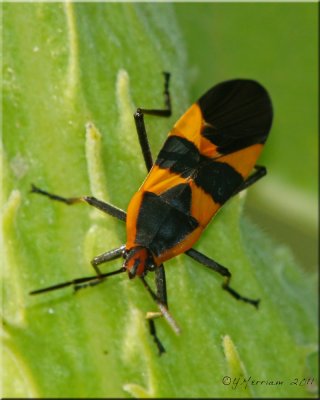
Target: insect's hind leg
{"points": [[208, 262], [140, 126], [260, 172]]}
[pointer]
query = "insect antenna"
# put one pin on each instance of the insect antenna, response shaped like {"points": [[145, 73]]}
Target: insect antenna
{"points": [[78, 282]]}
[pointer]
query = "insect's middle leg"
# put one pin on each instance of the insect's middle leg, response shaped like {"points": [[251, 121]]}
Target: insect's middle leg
{"points": [[140, 126], [92, 201], [102, 258], [208, 262]]}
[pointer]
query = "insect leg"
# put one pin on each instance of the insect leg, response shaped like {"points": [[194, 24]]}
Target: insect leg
{"points": [[161, 293], [80, 283], [106, 207], [107, 256], [208, 262], [166, 112], [260, 172], [102, 258], [139, 120], [101, 205], [160, 279], [153, 333], [162, 305]]}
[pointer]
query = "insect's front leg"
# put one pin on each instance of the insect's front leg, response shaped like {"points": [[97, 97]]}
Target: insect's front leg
{"points": [[161, 294], [160, 297], [102, 258]]}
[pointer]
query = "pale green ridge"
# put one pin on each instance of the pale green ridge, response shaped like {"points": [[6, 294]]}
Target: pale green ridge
{"points": [[137, 391], [14, 309], [94, 161], [15, 371], [236, 369], [73, 52]]}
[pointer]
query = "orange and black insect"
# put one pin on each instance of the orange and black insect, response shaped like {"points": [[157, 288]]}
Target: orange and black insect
{"points": [[207, 158]]}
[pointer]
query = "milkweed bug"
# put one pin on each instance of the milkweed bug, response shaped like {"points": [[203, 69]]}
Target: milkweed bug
{"points": [[207, 158]]}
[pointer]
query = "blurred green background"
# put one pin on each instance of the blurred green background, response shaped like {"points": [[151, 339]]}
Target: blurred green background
{"points": [[276, 44]]}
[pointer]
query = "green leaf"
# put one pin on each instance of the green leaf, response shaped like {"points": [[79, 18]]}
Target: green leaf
{"points": [[73, 75]]}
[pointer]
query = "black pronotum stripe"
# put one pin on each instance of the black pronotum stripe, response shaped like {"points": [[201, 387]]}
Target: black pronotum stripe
{"points": [[238, 113], [164, 221], [218, 179]]}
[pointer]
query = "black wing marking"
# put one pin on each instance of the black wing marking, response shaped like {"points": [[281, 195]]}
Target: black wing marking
{"points": [[179, 155], [238, 113], [218, 179]]}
